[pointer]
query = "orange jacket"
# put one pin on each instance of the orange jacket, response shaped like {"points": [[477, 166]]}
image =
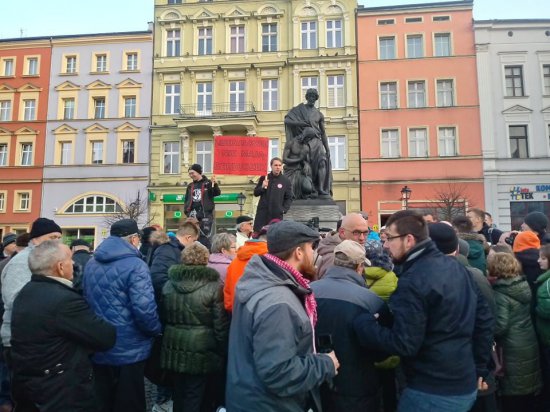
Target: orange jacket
{"points": [[236, 269]]}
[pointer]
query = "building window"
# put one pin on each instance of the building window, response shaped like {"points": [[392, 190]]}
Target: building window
{"points": [[32, 66], [418, 143], [173, 42], [8, 67], [334, 33], [309, 35], [441, 18], [415, 46], [385, 22], [26, 154], [237, 39], [388, 95], [236, 96], [68, 108], [390, 143], [97, 152], [335, 91], [66, 151], [310, 82], [546, 79], [99, 107], [387, 48], [101, 63], [270, 94], [172, 99], [204, 98], [514, 81], [130, 106], [417, 94], [3, 154], [447, 141], [273, 151], [445, 93], [171, 157], [2, 201], [205, 41], [5, 110], [413, 20], [442, 46], [174, 1], [30, 109], [203, 151], [94, 204], [519, 148], [337, 147], [128, 148], [269, 37], [131, 61], [70, 64], [23, 200]]}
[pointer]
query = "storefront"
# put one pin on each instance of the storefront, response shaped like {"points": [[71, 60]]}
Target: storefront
{"points": [[525, 199]]}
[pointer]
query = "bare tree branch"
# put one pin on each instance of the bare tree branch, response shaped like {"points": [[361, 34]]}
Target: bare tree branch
{"points": [[451, 201], [135, 208]]}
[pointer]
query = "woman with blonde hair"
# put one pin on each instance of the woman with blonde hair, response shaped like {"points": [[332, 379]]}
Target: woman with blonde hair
{"points": [[515, 333]]}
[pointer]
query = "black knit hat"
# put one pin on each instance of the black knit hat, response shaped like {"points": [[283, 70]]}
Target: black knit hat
{"points": [[444, 237], [43, 226], [9, 239], [537, 221], [79, 242], [197, 168]]}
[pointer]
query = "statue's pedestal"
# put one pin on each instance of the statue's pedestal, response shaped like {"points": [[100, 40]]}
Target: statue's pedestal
{"points": [[326, 210]]}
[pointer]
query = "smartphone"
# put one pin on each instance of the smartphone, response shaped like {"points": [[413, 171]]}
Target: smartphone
{"points": [[324, 343]]}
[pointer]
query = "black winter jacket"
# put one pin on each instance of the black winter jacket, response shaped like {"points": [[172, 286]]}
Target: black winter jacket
{"points": [[209, 192], [53, 334], [530, 266], [164, 256], [274, 201], [80, 258]]}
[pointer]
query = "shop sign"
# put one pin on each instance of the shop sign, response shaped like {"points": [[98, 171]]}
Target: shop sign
{"points": [[530, 192], [223, 198]]}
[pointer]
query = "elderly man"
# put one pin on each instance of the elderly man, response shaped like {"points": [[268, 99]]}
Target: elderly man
{"points": [[54, 333], [117, 285], [8, 246], [244, 229], [272, 364], [354, 227]]}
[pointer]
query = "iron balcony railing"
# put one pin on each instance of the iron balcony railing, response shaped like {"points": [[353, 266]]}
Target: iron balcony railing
{"points": [[216, 110]]}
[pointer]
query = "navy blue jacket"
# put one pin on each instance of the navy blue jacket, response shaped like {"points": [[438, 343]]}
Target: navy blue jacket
{"points": [[117, 286], [164, 256], [442, 326]]}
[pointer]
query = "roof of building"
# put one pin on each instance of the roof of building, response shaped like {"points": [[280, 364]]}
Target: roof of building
{"points": [[73, 36], [418, 6]]}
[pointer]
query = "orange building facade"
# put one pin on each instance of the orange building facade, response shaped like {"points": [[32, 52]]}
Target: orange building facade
{"points": [[24, 82], [419, 109]]}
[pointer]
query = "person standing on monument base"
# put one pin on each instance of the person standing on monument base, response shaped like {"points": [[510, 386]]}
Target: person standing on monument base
{"points": [[199, 198]]}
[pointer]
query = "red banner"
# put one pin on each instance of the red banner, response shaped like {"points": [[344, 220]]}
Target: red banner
{"points": [[240, 155]]}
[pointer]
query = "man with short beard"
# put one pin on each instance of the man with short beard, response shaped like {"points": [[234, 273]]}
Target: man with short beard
{"points": [[273, 364]]}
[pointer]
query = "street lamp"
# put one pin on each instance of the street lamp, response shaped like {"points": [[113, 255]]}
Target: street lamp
{"points": [[405, 196], [241, 198]]}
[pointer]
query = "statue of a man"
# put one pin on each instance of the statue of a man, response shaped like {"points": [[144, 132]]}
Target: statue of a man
{"points": [[311, 177]]}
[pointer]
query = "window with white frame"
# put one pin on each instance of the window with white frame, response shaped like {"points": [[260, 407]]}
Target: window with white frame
{"points": [[29, 109], [68, 108], [94, 204], [5, 110], [417, 94], [338, 152], [386, 46], [388, 95], [171, 156], [309, 82], [415, 46], [335, 88], [269, 37], [203, 152], [418, 143], [445, 93], [546, 79], [390, 143], [97, 152], [65, 153], [270, 94], [204, 98], [171, 98], [273, 151], [173, 41], [99, 107], [26, 154], [309, 34], [3, 154], [2, 201], [131, 61], [442, 44], [8, 67], [32, 66], [447, 141], [23, 200], [70, 64], [204, 41], [514, 81], [236, 38], [130, 106], [519, 147], [101, 63], [334, 33], [236, 96], [128, 151]]}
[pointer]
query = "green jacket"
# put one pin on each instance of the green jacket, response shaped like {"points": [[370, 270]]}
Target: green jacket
{"points": [[197, 327], [381, 282], [478, 248], [515, 333], [542, 308]]}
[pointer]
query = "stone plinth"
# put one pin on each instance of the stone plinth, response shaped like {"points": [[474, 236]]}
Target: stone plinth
{"points": [[326, 210]]}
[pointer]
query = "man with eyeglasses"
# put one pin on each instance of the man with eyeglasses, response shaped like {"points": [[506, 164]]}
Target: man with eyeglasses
{"points": [[442, 326], [354, 227]]}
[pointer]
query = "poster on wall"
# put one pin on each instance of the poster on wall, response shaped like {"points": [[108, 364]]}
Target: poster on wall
{"points": [[240, 155]]}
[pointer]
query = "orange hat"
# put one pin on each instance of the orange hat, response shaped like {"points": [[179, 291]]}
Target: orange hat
{"points": [[526, 240]]}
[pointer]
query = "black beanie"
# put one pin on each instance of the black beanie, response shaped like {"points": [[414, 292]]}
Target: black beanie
{"points": [[537, 221], [444, 237], [43, 226], [197, 168]]}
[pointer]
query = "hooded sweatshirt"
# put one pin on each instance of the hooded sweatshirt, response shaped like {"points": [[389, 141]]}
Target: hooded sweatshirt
{"points": [[325, 251]]}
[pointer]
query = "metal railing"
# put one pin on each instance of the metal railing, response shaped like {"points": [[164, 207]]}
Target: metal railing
{"points": [[217, 110]]}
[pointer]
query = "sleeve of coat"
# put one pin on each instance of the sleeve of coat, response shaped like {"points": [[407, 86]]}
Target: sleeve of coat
{"points": [[216, 191], [502, 316], [280, 368], [160, 264], [77, 322], [543, 300], [220, 321], [483, 334], [287, 201], [259, 190], [188, 199], [142, 300]]}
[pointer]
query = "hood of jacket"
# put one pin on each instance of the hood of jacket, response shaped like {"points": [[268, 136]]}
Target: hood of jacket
{"points": [[115, 248], [474, 237], [219, 258], [516, 288], [328, 244], [375, 272], [187, 279], [543, 278], [251, 248]]}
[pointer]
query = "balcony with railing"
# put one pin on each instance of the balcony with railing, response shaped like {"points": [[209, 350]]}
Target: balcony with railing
{"points": [[217, 110]]}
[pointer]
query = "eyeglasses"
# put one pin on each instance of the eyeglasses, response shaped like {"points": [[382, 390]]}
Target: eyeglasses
{"points": [[357, 232], [389, 238]]}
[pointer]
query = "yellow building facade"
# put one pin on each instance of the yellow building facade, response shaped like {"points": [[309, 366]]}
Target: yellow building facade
{"points": [[236, 68]]}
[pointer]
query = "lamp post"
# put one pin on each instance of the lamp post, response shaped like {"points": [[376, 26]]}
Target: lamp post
{"points": [[241, 198], [405, 196]]}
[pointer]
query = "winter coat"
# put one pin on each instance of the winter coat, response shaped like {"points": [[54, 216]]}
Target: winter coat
{"points": [[530, 266], [515, 333], [241, 239], [272, 365], [219, 262], [478, 248], [80, 258], [381, 281], [274, 201], [325, 253], [542, 308], [491, 234], [54, 330], [196, 324], [164, 256], [236, 269], [209, 192], [117, 286]]}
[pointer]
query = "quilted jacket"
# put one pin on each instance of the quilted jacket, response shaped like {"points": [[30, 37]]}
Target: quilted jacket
{"points": [[117, 286], [542, 308]]}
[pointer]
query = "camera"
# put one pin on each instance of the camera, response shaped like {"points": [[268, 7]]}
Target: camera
{"points": [[510, 239]]}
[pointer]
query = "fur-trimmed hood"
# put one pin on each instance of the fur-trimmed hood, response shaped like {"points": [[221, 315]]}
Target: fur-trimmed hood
{"points": [[475, 237]]}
